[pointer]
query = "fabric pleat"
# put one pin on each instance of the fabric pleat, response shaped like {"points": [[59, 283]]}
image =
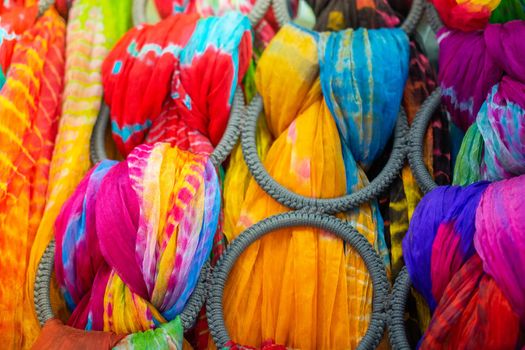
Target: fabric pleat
{"points": [[29, 112], [290, 275]]}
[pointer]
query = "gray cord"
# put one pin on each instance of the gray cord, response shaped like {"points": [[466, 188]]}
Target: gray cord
{"points": [[138, 12], [416, 136], [282, 14], [44, 5], [41, 296], [97, 143], [341, 229], [326, 205], [396, 321], [219, 154], [42, 301], [433, 17]]}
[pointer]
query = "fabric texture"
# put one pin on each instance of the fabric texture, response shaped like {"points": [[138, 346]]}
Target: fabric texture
{"points": [[474, 231], [29, 112], [93, 27], [311, 127]]}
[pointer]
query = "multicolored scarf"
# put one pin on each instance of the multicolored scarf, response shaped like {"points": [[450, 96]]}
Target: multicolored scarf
{"points": [[93, 27], [472, 15], [175, 81], [29, 112], [492, 147], [320, 134], [478, 300], [163, 240]]}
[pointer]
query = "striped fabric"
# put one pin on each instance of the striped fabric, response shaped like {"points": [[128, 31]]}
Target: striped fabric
{"points": [[93, 27], [29, 110]]}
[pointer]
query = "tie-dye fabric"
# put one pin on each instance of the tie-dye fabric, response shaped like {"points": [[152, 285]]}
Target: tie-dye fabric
{"points": [[492, 147], [29, 112], [164, 214], [187, 94], [265, 29], [475, 233], [277, 278], [93, 27]]}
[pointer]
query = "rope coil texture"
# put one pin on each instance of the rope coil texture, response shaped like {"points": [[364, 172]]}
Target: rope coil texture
{"points": [[325, 205], [343, 230]]}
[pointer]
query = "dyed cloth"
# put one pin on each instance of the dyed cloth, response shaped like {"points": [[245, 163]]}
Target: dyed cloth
{"points": [[472, 15], [492, 148], [55, 335], [163, 240], [320, 133], [93, 27], [12, 24], [29, 112], [485, 57], [187, 94], [478, 300], [265, 29], [338, 15]]}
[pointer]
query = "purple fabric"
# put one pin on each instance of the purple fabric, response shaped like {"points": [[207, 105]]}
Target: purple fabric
{"points": [[471, 63], [500, 238]]}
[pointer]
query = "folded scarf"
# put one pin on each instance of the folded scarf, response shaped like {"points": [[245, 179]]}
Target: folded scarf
{"points": [[457, 259], [320, 133], [93, 27], [492, 148], [483, 57], [472, 15], [175, 81], [29, 111], [163, 240]]}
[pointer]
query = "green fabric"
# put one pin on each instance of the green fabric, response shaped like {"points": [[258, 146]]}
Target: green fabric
{"points": [[508, 10], [468, 163]]}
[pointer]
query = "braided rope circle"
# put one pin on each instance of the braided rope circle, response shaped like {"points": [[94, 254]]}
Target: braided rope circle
{"points": [[97, 148], [256, 14], [416, 135], [326, 205], [342, 229], [433, 17], [280, 8], [42, 301], [398, 301]]}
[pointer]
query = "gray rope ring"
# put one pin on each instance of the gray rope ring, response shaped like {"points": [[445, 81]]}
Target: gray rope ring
{"points": [[398, 301], [416, 135], [433, 18], [97, 148], [280, 8], [256, 14], [42, 301], [342, 229], [326, 205]]}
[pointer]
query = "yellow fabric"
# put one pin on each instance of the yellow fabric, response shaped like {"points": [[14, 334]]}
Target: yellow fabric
{"points": [[91, 32], [298, 286]]}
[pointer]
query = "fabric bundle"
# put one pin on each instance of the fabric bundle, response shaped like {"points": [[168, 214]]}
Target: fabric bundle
{"points": [[93, 27], [491, 110], [163, 240], [328, 121], [472, 15], [459, 251], [175, 81], [29, 112]]}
